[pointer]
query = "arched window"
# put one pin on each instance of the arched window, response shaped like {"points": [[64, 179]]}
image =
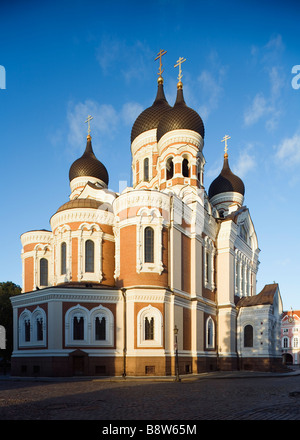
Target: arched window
{"points": [[169, 168], [210, 333], [149, 245], [78, 328], [199, 174], [248, 336], [43, 272], [101, 320], [149, 328], [27, 330], [89, 256], [39, 329], [100, 328], [285, 342], [91, 327], [32, 328], [185, 168], [63, 259], [146, 169]]}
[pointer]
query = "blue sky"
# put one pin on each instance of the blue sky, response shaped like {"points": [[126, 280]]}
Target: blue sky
{"points": [[65, 60]]}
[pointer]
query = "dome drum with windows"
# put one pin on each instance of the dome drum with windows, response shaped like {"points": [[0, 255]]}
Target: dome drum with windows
{"points": [[167, 142], [227, 189]]}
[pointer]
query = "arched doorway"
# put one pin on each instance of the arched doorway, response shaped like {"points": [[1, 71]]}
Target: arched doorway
{"points": [[287, 359], [79, 363]]}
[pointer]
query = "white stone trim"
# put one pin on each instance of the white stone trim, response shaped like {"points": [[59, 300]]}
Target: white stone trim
{"points": [[134, 198], [63, 234], [143, 139], [209, 253], [80, 182], [150, 312], [224, 199], [32, 317], [90, 232], [89, 328], [181, 136], [209, 321], [73, 215], [149, 217], [40, 250]]}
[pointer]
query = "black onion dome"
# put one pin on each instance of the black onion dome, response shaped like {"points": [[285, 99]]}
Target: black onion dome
{"points": [[226, 182], [149, 118], [88, 165], [180, 117]]}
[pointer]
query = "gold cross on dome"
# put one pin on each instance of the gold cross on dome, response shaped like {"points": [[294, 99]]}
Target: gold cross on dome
{"points": [[89, 118], [179, 62], [225, 138], [159, 55]]}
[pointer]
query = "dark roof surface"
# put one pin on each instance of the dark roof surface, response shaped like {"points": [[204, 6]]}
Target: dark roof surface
{"points": [[265, 297], [149, 118], [226, 182], [88, 165], [80, 203], [180, 117]]}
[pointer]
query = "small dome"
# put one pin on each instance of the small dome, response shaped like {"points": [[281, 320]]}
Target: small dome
{"points": [[149, 118], [80, 203], [88, 165], [180, 117], [226, 182]]}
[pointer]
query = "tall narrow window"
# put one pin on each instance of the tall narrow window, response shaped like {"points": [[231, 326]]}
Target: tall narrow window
{"points": [[248, 336], [43, 272], [63, 256], [149, 245], [210, 333], [89, 256], [27, 330], [100, 329], [185, 168], [146, 169], [39, 329], [207, 267], [285, 342], [149, 328], [78, 328], [169, 168], [199, 174]]}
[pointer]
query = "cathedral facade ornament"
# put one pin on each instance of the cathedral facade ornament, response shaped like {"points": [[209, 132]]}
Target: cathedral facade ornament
{"points": [[105, 287]]}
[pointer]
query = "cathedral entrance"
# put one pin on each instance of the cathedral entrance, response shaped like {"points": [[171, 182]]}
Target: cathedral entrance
{"points": [[78, 363], [287, 359]]}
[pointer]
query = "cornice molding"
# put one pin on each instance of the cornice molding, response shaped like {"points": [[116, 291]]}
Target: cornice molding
{"points": [[69, 295], [99, 216]]}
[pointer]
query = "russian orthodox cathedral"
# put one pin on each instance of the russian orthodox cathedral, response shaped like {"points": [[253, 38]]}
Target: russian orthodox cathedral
{"points": [[159, 279]]}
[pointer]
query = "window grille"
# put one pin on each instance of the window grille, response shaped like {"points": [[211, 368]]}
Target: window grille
{"points": [[78, 328], [149, 328], [43, 272], [63, 258], [248, 336], [146, 169], [100, 329], [89, 256], [149, 245]]}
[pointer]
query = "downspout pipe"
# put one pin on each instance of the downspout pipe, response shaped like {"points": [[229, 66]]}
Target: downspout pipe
{"points": [[123, 290]]}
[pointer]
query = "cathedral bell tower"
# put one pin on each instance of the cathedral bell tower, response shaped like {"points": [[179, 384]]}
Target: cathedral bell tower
{"points": [[180, 138], [167, 142]]}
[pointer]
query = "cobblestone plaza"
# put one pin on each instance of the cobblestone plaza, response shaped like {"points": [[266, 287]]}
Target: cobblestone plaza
{"points": [[212, 396]]}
